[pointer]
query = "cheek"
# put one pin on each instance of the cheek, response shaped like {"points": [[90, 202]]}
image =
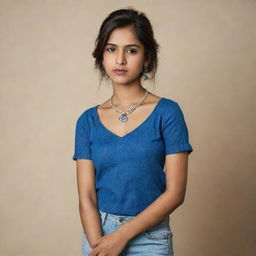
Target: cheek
{"points": [[106, 62], [136, 62]]}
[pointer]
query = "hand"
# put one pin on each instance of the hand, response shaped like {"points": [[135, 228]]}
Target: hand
{"points": [[111, 244]]}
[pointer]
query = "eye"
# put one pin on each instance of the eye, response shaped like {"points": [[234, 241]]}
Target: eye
{"points": [[133, 51], [109, 49]]}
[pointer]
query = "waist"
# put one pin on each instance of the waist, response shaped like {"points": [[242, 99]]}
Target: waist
{"points": [[121, 219]]}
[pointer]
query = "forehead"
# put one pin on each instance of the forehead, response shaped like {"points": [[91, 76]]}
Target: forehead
{"points": [[123, 36]]}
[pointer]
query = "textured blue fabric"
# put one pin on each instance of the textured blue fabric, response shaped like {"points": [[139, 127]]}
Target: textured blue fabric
{"points": [[130, 169]]}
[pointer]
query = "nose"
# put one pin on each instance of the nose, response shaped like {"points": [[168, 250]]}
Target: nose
{"points": [[120, 58]]}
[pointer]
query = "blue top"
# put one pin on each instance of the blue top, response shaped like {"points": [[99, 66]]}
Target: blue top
{"points": [[130, 169]]}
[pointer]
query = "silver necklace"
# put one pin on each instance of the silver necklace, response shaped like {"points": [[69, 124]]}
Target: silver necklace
{"points": [[124, 114]]}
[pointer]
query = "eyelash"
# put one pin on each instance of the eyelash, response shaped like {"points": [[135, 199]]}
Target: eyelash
{"points": [[134, 51]]}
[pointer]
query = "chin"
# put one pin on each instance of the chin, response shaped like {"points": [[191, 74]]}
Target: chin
{"points": [[124, 80]]}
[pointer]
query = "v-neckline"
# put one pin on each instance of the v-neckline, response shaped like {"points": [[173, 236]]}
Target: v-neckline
{"points": [[132, 131]]}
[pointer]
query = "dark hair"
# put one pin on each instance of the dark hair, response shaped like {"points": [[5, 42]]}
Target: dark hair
{"points": [[142, 28]]}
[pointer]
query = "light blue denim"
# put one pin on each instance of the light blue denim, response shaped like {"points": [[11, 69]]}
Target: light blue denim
{"points": [[156, 241]]}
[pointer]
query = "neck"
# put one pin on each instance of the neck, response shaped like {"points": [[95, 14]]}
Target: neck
{"points": [[127, 95]]}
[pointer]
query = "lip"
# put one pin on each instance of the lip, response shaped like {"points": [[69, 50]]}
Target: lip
{"points": [[120, 71]]}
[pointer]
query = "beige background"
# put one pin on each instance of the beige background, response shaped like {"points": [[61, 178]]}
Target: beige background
{"points": [[207, 64]]}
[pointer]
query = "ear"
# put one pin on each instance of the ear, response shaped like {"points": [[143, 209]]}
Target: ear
{"points": [[146, 62]]}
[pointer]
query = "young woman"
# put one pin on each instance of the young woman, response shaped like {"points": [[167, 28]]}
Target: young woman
{"points": [[131, 150]]}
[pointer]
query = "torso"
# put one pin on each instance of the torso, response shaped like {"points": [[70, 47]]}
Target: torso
{"points": [[109, 117]]}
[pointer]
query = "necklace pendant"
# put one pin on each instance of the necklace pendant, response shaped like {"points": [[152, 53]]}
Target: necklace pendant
{"points": [[123, 118]]}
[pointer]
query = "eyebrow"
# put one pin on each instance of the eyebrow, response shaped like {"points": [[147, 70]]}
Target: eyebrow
{"points": [[135, 45]]}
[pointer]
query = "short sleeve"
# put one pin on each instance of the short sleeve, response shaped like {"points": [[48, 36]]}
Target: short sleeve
{"points": [[82, 142], [174, 130]]}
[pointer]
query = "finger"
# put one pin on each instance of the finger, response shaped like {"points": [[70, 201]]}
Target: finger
{"points": [[94, 252], [95, 244]]}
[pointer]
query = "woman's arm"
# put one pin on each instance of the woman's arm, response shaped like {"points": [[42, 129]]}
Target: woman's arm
{"points": [[88, 209], [176, 167]]}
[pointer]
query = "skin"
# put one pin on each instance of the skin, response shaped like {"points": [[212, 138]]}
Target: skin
{"points": [[127, 91]]}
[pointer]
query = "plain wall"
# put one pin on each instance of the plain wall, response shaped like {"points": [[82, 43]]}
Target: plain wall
{"points": [[207, 64]]}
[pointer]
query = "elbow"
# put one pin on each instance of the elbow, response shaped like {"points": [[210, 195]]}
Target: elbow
{"points": [[87, 202], [181, 199], [88, 197], [178, 198]]}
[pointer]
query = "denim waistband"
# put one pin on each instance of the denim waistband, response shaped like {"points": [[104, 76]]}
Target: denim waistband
{"points": [[121, 219]]}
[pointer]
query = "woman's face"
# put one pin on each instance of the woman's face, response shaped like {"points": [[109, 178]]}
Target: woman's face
{"points": [[123, 51]]}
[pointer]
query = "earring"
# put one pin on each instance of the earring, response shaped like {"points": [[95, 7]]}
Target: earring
{"points": [[144, 73], [104, 74]]}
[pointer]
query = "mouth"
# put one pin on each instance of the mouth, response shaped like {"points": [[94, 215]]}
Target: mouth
{"points": [[120, 71]]}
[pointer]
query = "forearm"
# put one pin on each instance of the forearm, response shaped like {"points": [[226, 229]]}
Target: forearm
{"points": [[91, 221], [164, 205]]}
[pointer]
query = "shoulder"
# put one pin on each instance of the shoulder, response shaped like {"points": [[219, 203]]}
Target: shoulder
{"points": [[171, 107], [86, 113], [169, 102], [84, 117]]}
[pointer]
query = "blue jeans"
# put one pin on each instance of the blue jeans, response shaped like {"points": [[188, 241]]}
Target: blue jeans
{"points": [[156, 241]]}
